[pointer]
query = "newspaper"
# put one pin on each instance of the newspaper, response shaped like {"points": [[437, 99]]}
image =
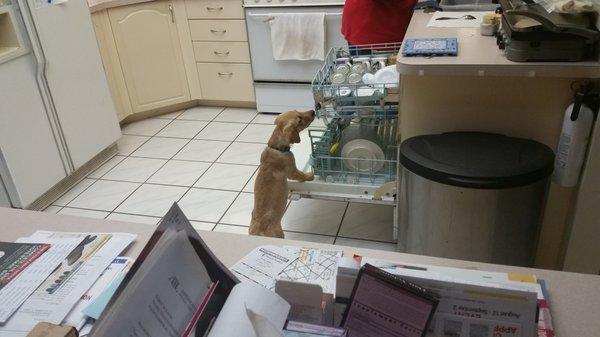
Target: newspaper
{"points": [[76, 316], [23, 285], [52, 301]]}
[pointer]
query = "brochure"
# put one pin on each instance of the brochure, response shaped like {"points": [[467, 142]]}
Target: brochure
{"points": [[23, 285], [15, 257]]}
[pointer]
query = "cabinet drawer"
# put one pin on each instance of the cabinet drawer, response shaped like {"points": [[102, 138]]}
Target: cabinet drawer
{"points": [[218, 30], [214, 9], [226, 81], [227, 52]]}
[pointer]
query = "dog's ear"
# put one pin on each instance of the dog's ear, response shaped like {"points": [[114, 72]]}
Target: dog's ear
{"points": [[290, 130], [288, 123]]}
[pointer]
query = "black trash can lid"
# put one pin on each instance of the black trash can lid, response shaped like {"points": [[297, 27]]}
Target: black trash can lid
{"points": [[477, 160]]}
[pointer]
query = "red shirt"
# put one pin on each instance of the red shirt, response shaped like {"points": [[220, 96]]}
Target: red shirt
{"points": [[376, 21]]}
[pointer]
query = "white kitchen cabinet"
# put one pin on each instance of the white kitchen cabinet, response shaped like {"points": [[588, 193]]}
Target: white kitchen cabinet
{"points": [[149, 49]]}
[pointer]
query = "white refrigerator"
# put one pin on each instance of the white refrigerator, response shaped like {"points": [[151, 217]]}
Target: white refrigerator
{"points": [[56, 112]]}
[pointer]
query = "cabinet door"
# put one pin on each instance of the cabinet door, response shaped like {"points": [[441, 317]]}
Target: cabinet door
{"points": [[150, 54]]}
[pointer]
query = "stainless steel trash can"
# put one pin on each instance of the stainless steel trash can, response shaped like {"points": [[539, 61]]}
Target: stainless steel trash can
{"points": [[472, 196]]}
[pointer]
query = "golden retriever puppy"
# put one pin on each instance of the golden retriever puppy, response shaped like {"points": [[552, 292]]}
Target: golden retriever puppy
{"points": [[277, 165]]}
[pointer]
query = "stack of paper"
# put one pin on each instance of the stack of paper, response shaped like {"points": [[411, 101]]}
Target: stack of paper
{"points": [[474, 299], [50, 289]]}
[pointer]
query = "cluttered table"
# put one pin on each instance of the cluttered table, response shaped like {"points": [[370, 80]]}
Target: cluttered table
{"points": [[574, 298], [479, 56]]}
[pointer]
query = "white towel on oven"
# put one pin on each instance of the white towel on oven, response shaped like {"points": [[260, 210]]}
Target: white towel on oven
{"points": [[298, 36]]}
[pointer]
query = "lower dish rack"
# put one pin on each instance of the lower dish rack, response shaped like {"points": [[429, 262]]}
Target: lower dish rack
{"points": [[366, 162]]}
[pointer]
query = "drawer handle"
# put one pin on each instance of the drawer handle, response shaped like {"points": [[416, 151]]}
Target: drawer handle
{"points": [[222, 31], [214, 9], [225, 74], [221, 53]]}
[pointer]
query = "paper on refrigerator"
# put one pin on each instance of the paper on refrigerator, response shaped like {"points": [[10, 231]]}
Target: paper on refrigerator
{"points": [[263, 264], [76, 316], [52, 301], [19, 289]]}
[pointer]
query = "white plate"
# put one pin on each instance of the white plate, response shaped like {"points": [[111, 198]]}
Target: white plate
{"points": [[365, 92], [362, 155]]}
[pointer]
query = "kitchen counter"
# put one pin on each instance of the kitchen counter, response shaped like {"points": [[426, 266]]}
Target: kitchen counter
{"points": [[98, 5], [574, 298], [480, 56]]}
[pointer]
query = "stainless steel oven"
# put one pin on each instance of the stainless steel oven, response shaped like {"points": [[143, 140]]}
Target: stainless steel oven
{"points": [[285, 85]]}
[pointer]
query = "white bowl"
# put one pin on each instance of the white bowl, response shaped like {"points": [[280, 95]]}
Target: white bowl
{"points": [[388, 75]]}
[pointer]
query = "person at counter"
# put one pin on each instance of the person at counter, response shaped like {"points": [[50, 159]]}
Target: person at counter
{"points": [[376, 21]]}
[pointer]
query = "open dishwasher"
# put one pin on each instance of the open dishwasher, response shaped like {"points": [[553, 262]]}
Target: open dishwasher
{"points": [[352, 147]]}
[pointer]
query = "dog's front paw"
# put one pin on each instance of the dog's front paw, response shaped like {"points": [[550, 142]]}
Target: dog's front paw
{"points": [[309, 176]]}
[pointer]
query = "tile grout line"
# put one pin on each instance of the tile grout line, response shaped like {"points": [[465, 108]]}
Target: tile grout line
{"points": [[61, 207], [215, 162], [171, 158], [236, 198], [240, 192], [363, 239], [120, 161], [137, 188], [174, 185], [85, 189], [341, 222], [190, 160], [293, 231]]}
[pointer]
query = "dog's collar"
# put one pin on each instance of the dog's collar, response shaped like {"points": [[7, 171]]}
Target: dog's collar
{"points": [[281, 149]]}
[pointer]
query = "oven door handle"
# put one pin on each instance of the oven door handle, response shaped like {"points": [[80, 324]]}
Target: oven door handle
{"points": [[270, 17]]}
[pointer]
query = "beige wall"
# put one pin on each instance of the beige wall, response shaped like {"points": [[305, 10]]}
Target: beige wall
{"points": [[522, 107]]}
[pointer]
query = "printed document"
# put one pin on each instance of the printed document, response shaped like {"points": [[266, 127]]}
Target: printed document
{"points": [[20, 288], [162, 298]]}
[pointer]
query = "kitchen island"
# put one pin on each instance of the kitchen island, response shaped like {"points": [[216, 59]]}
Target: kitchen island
{"points": [[574, 298], [480, 90]]}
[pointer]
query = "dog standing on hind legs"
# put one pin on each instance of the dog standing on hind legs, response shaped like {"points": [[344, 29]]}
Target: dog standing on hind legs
{"points": [[277, 165]]}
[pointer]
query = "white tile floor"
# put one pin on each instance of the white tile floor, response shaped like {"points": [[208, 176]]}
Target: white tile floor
{"points": [[205, 158]]}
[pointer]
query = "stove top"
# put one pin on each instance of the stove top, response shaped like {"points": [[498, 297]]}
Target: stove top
{"points": [[292, 3]]}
